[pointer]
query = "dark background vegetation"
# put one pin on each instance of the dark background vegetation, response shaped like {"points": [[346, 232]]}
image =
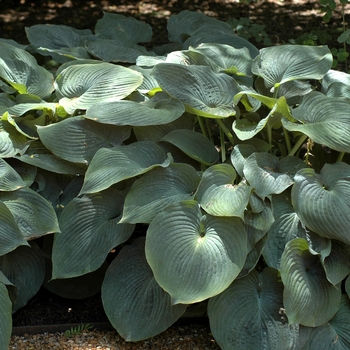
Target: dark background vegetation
{"points": [[283, 20]]}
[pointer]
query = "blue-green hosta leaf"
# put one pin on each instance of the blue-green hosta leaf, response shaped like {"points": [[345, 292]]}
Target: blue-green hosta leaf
{"points": [[280, 64], [319, 122], [19, 69], [6, 101], [59, 40], [218, 194], [5, 317], [25, 268], [239, 155], [202, 91], [224, 38], [188, 23], [115, 50], [160, 109], [347, 286], [337, 263], [248, 315], [286, 227], [236, 62], [112, 165], [246, 128], [79, 138], [309, 299], [21, 108], [38, 155], [336, 84], [194, 144], [157, 189], [27, 207], [322, 200], [335, 334], [11, 236], [89, 230], [204, 256], [115, 26], [10, 180], [269, 175], [80, 86], [257, 224], [149, 83], [131, 297], [11, 141]]}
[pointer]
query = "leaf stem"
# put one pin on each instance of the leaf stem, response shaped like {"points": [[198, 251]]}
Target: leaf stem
{"points": [[340, 156], [223, 146], [287, 139], [202, 126], [226, 131], [297, 145]]}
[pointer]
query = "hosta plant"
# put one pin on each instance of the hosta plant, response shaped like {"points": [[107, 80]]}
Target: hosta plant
{"points": [[231, 162]]}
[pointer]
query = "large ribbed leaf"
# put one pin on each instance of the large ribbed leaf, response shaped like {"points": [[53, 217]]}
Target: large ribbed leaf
{"points": [[269, 175], [80, 86], [194, 144], [112, 165], [187, 23], [218, 194], [115, 26], [202, 91], [5, 317], [135, 304], [157, 189], [77, 139], [309, 299], [10, 180], [115, 50], [319, 122], [27, 207], [39, 156], [229, 59], [59, 40], [248, 316], [239, 155], [161, 109], [280, 64], [11, 236], [337, 263], [12, 142], [89, 230], [322, 201], [335, 334], [204, 256], [19, 69], [25, 268], [286, 227]]}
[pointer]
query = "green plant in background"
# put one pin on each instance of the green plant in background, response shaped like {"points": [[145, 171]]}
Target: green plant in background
{"points": [[77, 330], [234, 159], [340, 55], [249, 30]]}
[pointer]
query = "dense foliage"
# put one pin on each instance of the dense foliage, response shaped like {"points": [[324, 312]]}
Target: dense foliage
{"points": [[233, 159]]}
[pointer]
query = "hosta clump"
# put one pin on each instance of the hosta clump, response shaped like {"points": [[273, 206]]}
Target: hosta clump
{"points": [[234, 160]]}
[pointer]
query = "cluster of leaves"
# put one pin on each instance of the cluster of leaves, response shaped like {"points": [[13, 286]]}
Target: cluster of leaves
{"points": [[234, 159]]}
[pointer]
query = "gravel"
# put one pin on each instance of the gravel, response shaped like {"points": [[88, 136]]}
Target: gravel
{"points": [[184, 337]]}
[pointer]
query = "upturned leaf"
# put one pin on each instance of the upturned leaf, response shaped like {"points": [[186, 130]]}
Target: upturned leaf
{"points": [[216, 246], [112, 165], [309, 299]]}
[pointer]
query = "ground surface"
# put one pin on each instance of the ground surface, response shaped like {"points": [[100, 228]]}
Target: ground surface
{"points": [[283, 20]]}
